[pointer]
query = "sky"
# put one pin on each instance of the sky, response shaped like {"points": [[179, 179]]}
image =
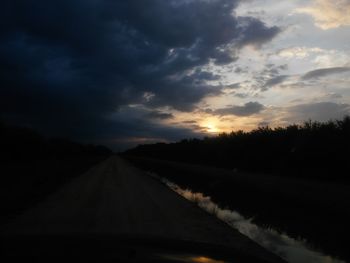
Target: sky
{"points": [[123, 73]]}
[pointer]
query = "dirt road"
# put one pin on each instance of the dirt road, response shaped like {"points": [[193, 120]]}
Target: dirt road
{"points": [[116, 198]]}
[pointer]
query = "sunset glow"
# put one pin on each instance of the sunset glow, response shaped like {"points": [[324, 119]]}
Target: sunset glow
{"points": [[211, 124], [212, 128], [170, 72]]}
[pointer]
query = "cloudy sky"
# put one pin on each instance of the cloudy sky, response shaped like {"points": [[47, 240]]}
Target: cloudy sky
{"points": [[139, 71]]}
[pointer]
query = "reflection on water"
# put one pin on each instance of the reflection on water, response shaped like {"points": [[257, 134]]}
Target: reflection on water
{"points": [[191, 259], [205, 260], [281, 244]]}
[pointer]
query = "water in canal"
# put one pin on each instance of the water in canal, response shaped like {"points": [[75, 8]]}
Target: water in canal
{"points": [[290, 249]]}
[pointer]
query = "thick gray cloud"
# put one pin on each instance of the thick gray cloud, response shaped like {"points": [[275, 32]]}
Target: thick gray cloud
{"points": [[275, 80], [247, 109], [66, 64], [324, 72], [160, 115], [134, 131], [241, 95], [255, 32], [269, 76], [320, 111]]}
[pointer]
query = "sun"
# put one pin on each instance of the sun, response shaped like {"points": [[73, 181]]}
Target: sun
{"points": [[210, 125], [211, 128]]}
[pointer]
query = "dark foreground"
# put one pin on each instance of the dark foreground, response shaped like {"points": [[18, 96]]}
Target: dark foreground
{"points": [[115, 211], [33, 166], [316, 211]]}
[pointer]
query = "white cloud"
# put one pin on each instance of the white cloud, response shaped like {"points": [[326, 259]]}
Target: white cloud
{"points": [[331, 58], [329, 14], [303, 58], [298, 52]]}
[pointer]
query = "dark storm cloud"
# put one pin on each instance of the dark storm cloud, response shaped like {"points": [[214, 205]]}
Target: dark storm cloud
{"points": [[324, 72], [133, 131], [255, 32], [131, 125], [160, 115], [66, 64], [247, 109]]}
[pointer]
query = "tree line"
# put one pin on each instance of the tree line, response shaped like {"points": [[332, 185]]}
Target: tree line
{"points": [[312, 150]]}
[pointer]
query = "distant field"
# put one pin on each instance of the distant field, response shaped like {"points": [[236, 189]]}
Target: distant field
{"points": [[317, 211]]}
